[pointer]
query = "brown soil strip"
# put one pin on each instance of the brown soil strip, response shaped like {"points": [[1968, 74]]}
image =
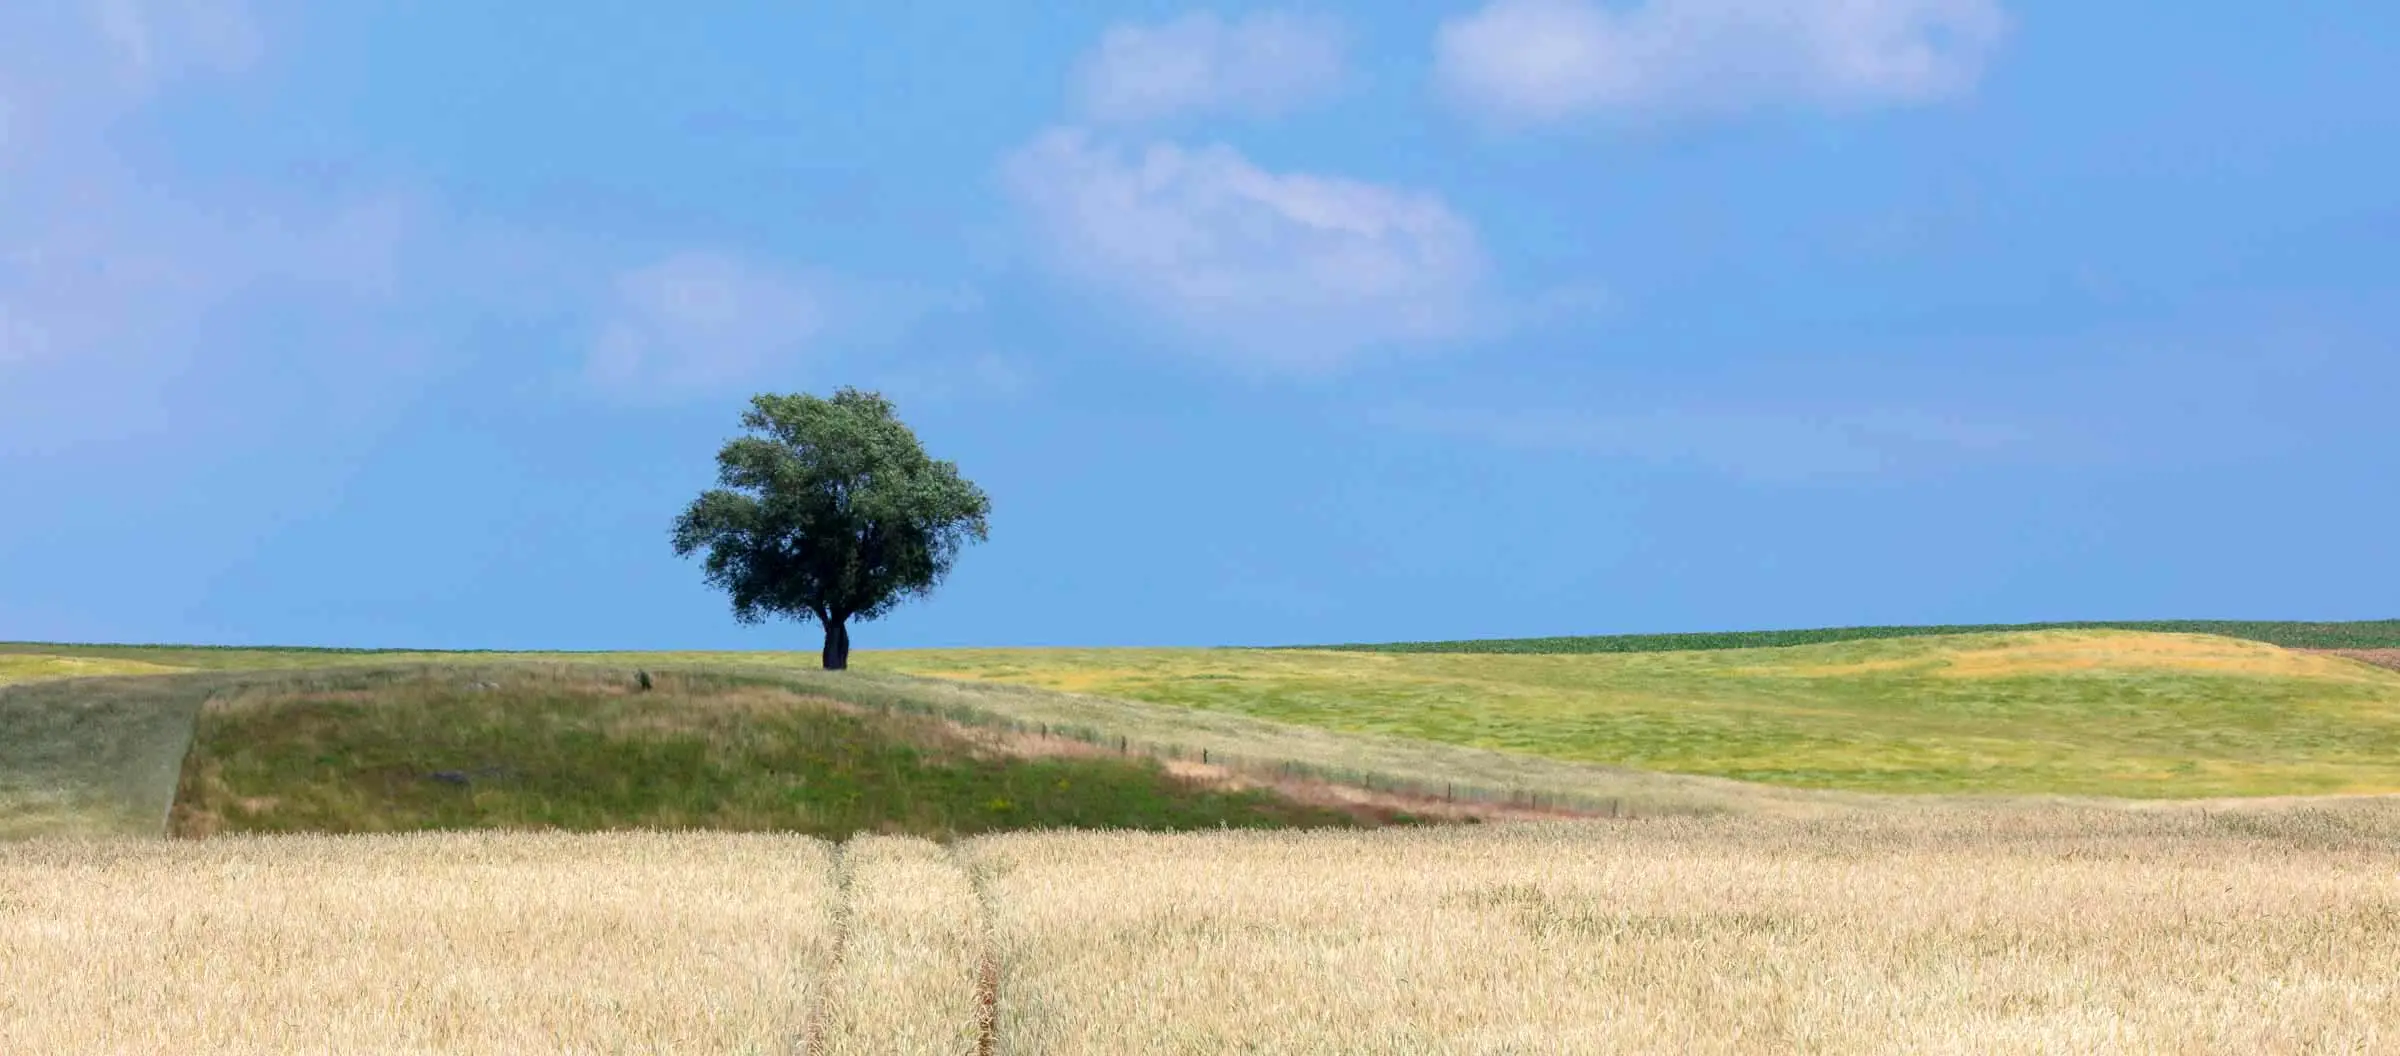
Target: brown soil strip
{"points": [[2379, 657], [987, 1005]]}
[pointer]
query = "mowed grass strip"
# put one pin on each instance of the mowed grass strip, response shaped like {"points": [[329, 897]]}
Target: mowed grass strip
{"points": [[446, 943], [2098, 713], [92, 756], [579, 750], [2173, 930]]}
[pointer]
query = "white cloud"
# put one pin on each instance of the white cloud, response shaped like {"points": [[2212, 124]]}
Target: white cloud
{"points": [[1284, 271], [1262, 64], [68, 69], [1535, 61], [102, 258], [699, 320]]}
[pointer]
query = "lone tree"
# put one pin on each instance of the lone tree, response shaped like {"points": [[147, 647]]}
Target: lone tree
{"points": [[831, 511]]}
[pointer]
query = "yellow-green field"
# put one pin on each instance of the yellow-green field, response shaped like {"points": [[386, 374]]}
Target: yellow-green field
{"points": [[2110, 714], [2171, 929], [33, 667], [2091, 713]]}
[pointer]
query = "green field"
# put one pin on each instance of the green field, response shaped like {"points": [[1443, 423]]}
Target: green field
{"points": [[2361, 634], [2091, 713], [2094, 713]]}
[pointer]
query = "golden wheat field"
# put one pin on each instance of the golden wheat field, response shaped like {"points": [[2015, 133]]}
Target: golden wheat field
{"points": [[2255, 928], [527, 943]]}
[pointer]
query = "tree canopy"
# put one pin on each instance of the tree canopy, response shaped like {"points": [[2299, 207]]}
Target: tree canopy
{"points": [[830, 510]]}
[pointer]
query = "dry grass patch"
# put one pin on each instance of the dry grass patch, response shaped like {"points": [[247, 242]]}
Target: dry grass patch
{"points": [[422, 944], [2169, 931], [2387, 658]]}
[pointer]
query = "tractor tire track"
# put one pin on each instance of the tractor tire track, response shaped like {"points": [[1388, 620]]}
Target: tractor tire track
{"points": [[915, 969], [812, 1032]]}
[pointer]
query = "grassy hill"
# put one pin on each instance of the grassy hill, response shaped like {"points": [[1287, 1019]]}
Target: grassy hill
{"points": [[2091, 712], [583, 749]]}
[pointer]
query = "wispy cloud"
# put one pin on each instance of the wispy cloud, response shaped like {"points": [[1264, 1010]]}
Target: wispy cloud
{"points": [[120, 284], [1281, 271], [1261, 64], [155, 38], [701, 321], [1540, 61], [698, 320], [1780, 445]]}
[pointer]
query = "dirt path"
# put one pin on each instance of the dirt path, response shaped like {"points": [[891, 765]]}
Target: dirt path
{"points": [[915, 970], [2379, 657]]}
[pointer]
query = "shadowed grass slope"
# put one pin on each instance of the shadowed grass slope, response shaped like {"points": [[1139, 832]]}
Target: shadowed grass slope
{"points": [[2098, 713], [585, 750]]}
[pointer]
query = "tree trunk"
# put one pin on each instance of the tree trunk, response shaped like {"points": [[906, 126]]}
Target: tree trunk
{"points": [[837, 645]]}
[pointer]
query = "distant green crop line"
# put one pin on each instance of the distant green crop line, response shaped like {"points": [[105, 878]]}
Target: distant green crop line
{"points": [[2362, 634]]}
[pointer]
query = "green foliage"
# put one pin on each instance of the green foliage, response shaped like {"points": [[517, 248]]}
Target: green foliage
{"points": [[572, 751], [2364, 634], [830, 511]]}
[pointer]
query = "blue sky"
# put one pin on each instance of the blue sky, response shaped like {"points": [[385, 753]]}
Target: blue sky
{"points": [[415, 324]]}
